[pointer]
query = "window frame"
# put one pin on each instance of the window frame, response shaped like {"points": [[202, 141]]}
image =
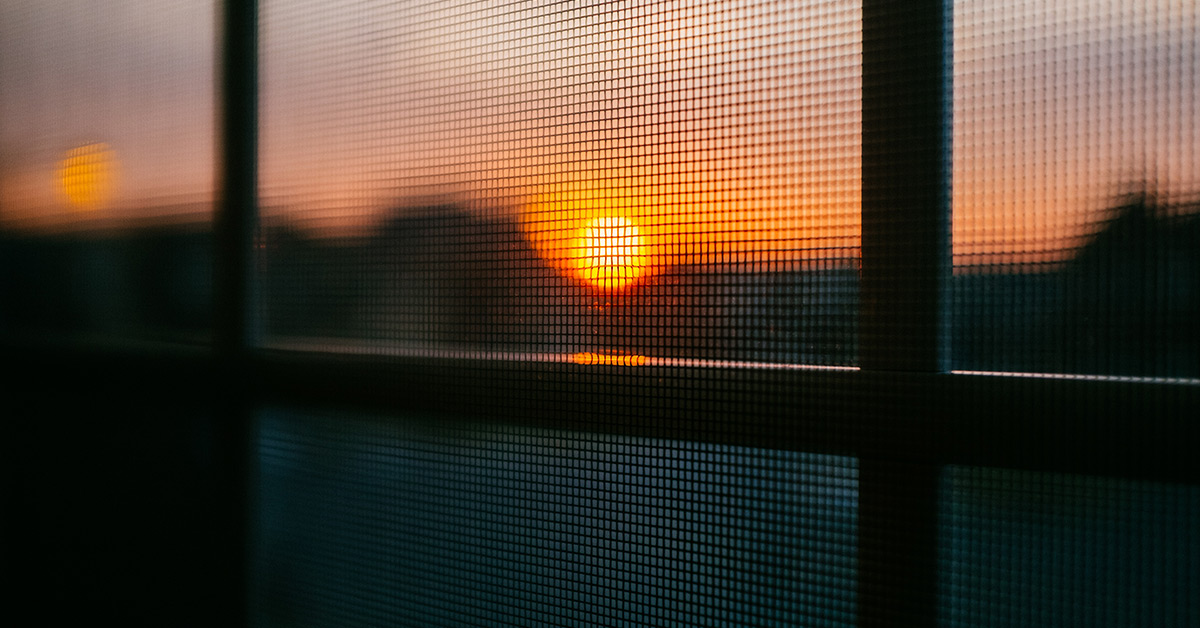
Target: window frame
{"points": [[903, 414]]}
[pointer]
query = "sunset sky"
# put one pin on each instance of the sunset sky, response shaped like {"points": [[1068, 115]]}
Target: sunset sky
{"points": [[721, 130]]}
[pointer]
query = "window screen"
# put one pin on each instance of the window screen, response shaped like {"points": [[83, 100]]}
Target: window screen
{"points": [[1042, 549], [623, 183], [602, 313], [1075, 187], [106, 169], [364, 520]]}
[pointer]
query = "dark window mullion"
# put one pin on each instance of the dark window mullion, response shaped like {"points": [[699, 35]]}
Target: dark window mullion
{"points": [[236, 212], [233, 320], [905, 262]]}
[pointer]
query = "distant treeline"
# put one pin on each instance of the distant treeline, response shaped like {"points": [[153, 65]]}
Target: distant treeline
{"points": [[1127, 303]]}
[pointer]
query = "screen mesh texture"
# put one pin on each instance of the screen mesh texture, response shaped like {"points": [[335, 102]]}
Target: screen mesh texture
{"points": [[656, 181], [367, 521], [1076, 197], [1021, 548]]}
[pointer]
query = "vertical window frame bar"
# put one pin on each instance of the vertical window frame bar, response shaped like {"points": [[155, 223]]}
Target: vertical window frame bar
{"points": [[234, 228], [907, 106]]}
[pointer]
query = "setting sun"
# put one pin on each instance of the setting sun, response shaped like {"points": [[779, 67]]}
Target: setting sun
{"points": [[596, 234], [611, 254]]}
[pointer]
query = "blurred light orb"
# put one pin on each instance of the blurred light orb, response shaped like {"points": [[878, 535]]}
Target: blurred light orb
{"points": [[87, 175], [611, 253], [602, 234]]}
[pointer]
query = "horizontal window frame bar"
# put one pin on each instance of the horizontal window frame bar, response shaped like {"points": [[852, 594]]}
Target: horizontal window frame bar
{"points": [[1131, 428], [1119, 427]]}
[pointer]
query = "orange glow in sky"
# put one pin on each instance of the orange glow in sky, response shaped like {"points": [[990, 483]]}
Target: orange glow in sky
{"points": [[723, 132]]}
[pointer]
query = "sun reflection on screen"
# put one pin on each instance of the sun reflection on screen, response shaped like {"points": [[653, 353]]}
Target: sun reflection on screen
{"points": [[87, 175], [620, 359]]}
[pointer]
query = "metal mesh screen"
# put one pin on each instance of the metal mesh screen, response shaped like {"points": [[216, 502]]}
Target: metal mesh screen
{"points": [[1040, 549], [1075, 187], [662, 185], [582, 182], [602, 313], [363, 520]]}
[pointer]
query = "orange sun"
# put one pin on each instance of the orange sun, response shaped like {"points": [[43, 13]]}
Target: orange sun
{"points": [[594, 233], [611, 253]]}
